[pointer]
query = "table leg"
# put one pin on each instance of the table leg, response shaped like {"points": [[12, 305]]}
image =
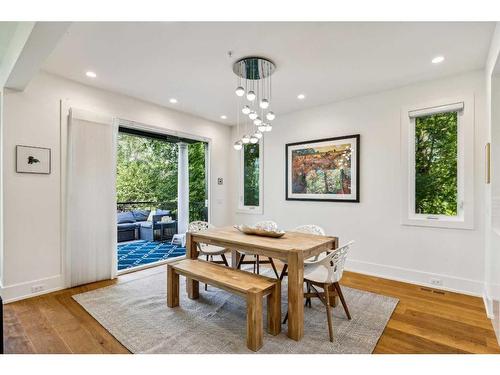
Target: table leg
{"points": [[332, 292], [295, 295], [192, 286]]}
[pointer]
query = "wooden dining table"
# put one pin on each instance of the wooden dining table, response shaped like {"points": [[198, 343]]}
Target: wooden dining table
{"points": [[293, 248]]}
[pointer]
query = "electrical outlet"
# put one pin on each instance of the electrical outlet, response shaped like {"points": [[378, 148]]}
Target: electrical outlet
{"points": [[437, 282], [37, 288]]}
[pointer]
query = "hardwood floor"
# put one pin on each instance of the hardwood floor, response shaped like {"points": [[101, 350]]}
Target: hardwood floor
{"points": [[425, 321], [429, 320]]}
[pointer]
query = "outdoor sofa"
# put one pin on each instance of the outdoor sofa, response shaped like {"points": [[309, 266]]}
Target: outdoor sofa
{"points": [[134, 225]]}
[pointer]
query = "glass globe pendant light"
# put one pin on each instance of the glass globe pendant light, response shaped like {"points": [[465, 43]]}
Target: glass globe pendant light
{"points": [[240, 91], [238, 145], [251, 95], [254, 84]]}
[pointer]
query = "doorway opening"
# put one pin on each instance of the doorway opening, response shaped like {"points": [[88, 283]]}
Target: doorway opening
{"points": [[161, 185]]}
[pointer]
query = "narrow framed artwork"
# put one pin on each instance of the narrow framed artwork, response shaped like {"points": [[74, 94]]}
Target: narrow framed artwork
{"points": [[323, 169], [31, 159]]}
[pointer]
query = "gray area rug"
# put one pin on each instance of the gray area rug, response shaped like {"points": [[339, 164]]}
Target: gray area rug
{"points": [[136, 314]]}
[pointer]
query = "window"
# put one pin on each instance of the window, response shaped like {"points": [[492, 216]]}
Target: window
{"points": [[251, 182], [437, 162], [436, 140]]}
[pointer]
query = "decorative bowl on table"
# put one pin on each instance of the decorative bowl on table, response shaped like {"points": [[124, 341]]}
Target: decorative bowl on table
{"points": [[260, 231]]}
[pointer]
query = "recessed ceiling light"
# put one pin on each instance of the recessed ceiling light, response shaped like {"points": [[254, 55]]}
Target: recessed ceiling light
{"points": [[438, 59], [91, 74], [173, 100], [301, 96], [223, 117]]}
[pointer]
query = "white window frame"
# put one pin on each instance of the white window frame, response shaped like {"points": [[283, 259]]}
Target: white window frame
{"points": [[258, 210], [465, 163]]}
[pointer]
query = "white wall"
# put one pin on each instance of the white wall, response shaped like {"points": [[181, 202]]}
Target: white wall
{"points": [[1, 185], [32, 203], [383, 246], [492, 196]]}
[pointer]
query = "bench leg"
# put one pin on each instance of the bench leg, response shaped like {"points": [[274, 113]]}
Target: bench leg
{"points": [[172, 287], [274, 310], [192, 286], [255, 328]]}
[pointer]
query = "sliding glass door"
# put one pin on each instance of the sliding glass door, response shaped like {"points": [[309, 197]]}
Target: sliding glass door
{"points": [[148, 203]]}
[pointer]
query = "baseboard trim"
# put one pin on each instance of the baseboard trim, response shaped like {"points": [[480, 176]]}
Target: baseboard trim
{"points": [[488, 305], [450, 283], [16, 292]]}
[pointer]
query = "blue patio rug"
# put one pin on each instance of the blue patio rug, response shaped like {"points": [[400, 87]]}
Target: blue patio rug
{"points": [[138, 253]]}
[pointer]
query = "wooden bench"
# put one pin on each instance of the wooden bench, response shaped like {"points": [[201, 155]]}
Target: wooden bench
{"points": [[250, 286]]}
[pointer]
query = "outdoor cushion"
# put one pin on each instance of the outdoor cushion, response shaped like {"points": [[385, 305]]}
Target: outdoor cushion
{"points": [[162, 212], [126, 226], [125, 217], [140, 215], [146, 224]]}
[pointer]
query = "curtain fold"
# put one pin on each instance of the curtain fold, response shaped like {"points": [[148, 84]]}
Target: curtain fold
{"points": [[90, 198]]}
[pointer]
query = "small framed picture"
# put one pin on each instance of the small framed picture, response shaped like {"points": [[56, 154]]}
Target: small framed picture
{"points": [[30, 159]]}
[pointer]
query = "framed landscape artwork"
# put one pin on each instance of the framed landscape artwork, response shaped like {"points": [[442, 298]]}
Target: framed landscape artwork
{"points": [[30, 159], [323, 170]]}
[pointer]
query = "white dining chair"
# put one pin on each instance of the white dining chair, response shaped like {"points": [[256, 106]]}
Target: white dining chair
{"points": [[209, 251], [256, 259], [325, 273], [309, 229]]}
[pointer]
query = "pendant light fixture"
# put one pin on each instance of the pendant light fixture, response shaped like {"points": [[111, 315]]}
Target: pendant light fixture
{"points": [[238, 145], [240, 91], [254, 85]]}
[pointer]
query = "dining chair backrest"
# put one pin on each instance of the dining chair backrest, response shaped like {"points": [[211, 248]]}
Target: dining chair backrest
{"points": [[199, 226], [310, 229], [335, 262]]}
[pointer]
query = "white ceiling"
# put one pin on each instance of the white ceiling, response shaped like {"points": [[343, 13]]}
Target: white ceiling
{"points": [[325, 61], [7, 30]]}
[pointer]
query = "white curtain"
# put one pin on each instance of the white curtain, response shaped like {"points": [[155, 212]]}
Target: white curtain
{"points": [[91, 198]]}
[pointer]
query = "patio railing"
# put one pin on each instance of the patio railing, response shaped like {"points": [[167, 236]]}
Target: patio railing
{"points": [[197, 210]]}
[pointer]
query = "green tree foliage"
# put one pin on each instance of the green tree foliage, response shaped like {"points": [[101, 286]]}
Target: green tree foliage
{"points": [[251, 173], [436, 164], [197, 181], [147, 172]]}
